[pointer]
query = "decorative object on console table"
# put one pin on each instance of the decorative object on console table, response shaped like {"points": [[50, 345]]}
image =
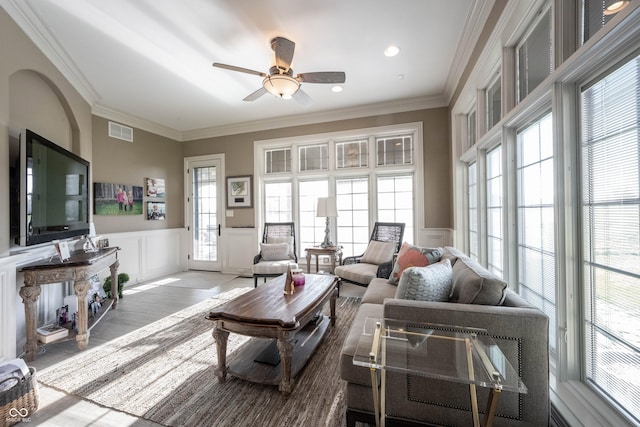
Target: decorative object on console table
{"points": [[122, 279], [326, 208], [239, 191]]}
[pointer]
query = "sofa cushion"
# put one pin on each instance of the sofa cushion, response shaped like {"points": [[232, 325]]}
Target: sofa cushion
{"points": [[274, 251], [348, 371], [378, 252], [377, 291], [359, 273], [473, 284], [413, 256], [430, 283]]}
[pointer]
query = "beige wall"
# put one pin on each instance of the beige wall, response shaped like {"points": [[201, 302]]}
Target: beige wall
{"points": [[238, 150], [26, 79], [148, 156]]}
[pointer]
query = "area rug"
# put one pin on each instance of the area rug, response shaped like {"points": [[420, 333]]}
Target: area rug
{"points": [[164, 372]]}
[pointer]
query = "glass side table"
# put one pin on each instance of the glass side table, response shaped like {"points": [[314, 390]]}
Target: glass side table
{"points": [[401, 346]]}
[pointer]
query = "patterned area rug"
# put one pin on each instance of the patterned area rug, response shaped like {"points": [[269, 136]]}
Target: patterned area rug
{"points": [[164, 372]]}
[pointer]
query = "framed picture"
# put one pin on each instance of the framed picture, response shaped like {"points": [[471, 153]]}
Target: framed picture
{"points": [[155, 187], [117, 199], [239, 191], [156, 211]]}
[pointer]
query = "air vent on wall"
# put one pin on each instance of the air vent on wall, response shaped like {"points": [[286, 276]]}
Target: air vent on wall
{"points": [[116, 130]]}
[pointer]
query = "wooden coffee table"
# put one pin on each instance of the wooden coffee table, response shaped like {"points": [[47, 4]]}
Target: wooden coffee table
{"points": [[294, 322]]}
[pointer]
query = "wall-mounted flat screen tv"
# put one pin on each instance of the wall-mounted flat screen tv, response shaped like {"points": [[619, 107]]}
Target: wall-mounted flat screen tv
{"points": [[53, 189]]}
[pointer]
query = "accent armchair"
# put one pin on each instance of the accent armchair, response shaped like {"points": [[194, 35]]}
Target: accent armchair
{"points": [[277, 251], [377, 260]]}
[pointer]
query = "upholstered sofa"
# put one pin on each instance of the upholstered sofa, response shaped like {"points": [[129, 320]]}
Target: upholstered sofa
{"points": [[477, 299]]}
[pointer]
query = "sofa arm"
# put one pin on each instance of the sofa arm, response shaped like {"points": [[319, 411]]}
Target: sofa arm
{"points": [[522, 333], [257, 258]]}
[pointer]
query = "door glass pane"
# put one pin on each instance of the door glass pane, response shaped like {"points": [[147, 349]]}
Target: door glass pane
{"points": [[205, 221]]}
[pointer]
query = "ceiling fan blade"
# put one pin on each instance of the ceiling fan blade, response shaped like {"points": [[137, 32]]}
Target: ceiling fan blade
{"points": [[284, 49], [255, 95], [240, 69], [323, 77], [302, 98]]}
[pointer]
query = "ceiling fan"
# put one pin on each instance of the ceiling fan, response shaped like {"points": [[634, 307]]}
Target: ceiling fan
{"points": [[280, 81]]}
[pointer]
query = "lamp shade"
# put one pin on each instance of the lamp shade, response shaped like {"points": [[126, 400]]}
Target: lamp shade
{"points": [[326, 207]]}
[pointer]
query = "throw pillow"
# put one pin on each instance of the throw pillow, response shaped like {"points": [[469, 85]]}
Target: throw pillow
{"points": [[473, 284], [274, 251], [430, 283], [282, 239], [413, 256], [378, 252]]}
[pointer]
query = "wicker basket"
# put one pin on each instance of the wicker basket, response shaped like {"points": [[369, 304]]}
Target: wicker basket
{"points": [[20, 401]]}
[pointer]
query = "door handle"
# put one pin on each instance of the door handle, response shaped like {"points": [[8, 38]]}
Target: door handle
{"points": [[218, 230]]}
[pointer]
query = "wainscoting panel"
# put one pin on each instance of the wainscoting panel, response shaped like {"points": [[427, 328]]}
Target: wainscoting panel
{"points": [[435, 237], [8, 307], [240, 245]]}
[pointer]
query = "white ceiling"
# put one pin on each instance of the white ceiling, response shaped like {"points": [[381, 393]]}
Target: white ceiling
{"points": [[148, 62]]}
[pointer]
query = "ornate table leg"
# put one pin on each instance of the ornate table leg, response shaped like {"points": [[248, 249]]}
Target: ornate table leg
{"points": [[82, 288], [114, 279], [29, 296], [308, 262], [332, 304], [221, 336], [285, 347]]}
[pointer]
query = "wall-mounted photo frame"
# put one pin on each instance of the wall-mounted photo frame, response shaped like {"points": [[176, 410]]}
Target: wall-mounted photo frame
{"points": [[156, 211], [155, 187], [117, 199], [239, 194]]}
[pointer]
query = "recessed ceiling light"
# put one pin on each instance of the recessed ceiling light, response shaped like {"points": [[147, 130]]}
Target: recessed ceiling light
{"points": [[336, 89], [615, 7], [392, 51]]}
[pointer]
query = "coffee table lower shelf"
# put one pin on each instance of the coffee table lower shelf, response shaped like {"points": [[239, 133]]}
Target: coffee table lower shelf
{"points": [[244, 363]]}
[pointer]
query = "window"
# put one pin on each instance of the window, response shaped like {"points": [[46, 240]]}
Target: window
{"points": [[314, 157], [471, 128], [593, 18], [395, 202], [610, 187], [352, 154], [395, 150], [352, 202], [278, 160], [494, 211], [277, 196], [311, 227], [472, 200], [536, 223], [534, 57], [494, 106], [342, 164]]}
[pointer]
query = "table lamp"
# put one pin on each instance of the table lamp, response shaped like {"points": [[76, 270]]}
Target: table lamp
{"points": [[326, 208]]}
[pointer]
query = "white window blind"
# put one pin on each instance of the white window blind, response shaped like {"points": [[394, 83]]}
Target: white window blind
{"points": [[472, 189], [536, 223], [610, 153], [397, 150], [494, 211], [494, 103], [352, 201], [277, 160], [314, 157], [534, 56], [471, 128]]}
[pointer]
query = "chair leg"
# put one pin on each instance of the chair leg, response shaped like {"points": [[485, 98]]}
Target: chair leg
{"points": [[255, 281]]}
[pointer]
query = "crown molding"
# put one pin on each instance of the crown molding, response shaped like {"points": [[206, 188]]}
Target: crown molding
{"points": [[474, 24], [37, 32], [398, 106]]}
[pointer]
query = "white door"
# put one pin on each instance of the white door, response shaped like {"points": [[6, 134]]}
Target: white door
{"points": [[204, 214]]}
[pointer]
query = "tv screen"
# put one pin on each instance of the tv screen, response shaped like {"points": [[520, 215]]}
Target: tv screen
{"points": [[54, 191]]}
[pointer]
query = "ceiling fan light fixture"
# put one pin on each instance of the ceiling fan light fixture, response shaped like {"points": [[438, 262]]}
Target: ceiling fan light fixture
{"points": [[614, 6], [281, 85]]}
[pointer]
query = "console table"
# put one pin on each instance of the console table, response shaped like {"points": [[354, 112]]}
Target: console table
{"points": [[449, 353], [79, 269]]}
